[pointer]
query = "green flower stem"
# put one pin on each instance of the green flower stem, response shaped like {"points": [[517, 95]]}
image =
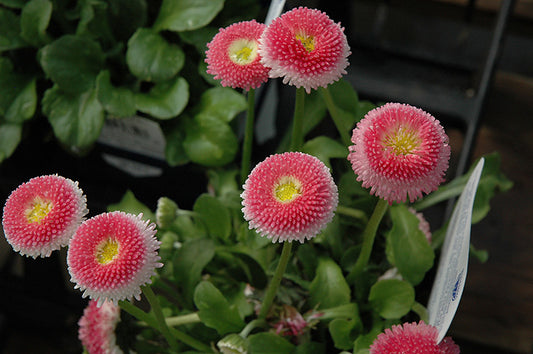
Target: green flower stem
{"points": [[138, 313], [152, 322], [156, 308], [297, 125], [182, 212], [248, 137], [190, 341], [369, 234], [250, 326], [276, 280], [335, 115], [354, 213], [183, 319]]}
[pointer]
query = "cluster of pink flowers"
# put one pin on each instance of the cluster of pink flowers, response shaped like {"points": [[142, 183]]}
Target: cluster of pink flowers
{"points": [[303, 46], [110, 256]]}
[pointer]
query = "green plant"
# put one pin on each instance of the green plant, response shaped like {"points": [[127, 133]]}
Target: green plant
{"points": [[78, 63]]}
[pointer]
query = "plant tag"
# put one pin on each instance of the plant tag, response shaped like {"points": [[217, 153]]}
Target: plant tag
{"points": [[451, 274], [275, 9], [136, 135]]}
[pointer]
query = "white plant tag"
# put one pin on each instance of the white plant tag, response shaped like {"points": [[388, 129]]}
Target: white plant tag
{"points": [[451, 274], [138, 135], [275, 9], [135, 134]]}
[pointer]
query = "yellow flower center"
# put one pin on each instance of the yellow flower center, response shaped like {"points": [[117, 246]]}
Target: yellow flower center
{"points": [[38, 210], [307, 41], [107, 251], [402, 141], [287, 189], [242, 51]]}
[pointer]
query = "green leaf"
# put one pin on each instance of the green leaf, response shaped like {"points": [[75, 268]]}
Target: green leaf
{"points": [[311, 347], [174, 152], [9, 139], [214, 214], [23, 106], [481, 255], [269, 343], [223, 103], [94, 21], [151, 58], [407, 246], [118, 102], [187, 229], [345, 102], [215, 311], [392, 298], [10, 31], [209, 141], [11, 85], [199, 38], [189, 262], [186, 15], [364, 341], [34, 20], [308, 258], [344, 95], [254, 272], [491, 180], [328, 288], [166, 100], [344, 332], [130, 204], [325, 148], [343, 311], [224, 182], [76, 120], [314, 111], [72, 62]]}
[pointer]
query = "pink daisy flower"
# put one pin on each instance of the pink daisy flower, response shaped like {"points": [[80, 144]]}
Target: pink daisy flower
{"points": [[112, 255], [233, 56], [399, 151], [289, 196], [413, 338], [306, 48], [41, 215], [97, 328]]}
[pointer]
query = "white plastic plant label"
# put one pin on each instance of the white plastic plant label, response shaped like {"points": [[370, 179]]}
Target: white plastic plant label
{"points": [[138, 135], [135, 134], [275, 9], [451, 274]]}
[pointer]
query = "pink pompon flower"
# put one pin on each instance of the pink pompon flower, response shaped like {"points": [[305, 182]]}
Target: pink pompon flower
{"points": [[112, 255], [289, 196], [41, 215], [399, 151], [414, 338], [306, 48], [97, 328], [233, 56]]}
